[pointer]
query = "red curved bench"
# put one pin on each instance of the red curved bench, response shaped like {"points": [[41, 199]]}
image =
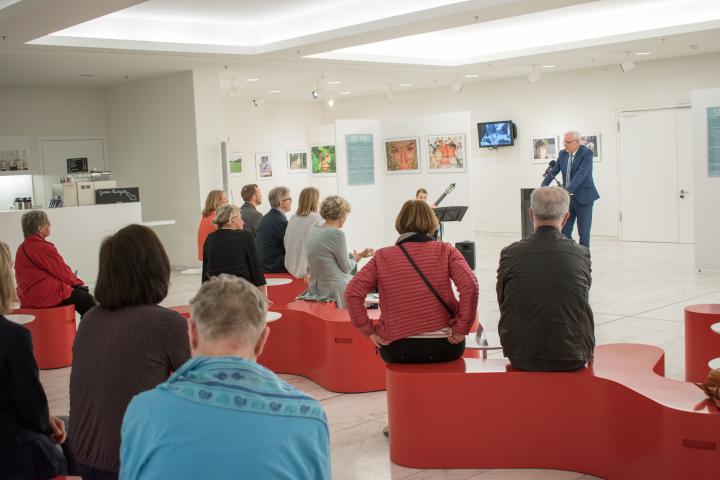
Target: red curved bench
{"points": [[701, 343], [618, 419], [317, 341], [283, 294], [53, 334]]}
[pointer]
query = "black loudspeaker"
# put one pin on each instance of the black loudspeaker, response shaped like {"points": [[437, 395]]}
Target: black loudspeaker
{"points": [[467, 249]]}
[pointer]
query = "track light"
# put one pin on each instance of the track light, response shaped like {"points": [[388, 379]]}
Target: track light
{"points": [[389, 95], [256, 102], [457, 86], [331, 102], [627, 65], [315, 94], [533, 77]]}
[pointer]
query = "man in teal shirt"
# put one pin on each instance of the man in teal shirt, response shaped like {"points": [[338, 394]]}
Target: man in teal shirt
{"points": [[221, 415]]}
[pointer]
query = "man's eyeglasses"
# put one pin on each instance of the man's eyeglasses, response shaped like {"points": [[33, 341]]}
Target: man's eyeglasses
{"points": [[289, 199], [569, 141]]}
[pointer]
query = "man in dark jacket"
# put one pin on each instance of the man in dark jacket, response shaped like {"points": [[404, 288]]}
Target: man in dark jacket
{"points": [[248, 211], [271, 232], [543, 285]]}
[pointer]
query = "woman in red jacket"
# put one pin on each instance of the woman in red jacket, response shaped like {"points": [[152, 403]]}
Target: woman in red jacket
{"points": [[421, 321], [214, 199], [44, 279]]}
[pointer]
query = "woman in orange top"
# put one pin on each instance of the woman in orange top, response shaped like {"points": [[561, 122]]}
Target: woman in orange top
{"points": [[214, 199]]}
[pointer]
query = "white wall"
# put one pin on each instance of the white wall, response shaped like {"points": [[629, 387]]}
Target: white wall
{"points": [[587, 100], [706, 188], [209, 131], [37, 112], [153, 143]]}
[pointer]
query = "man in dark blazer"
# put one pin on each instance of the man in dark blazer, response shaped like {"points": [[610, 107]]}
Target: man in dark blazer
{"points": [[271, 232], [248, 211], [578, 181]]}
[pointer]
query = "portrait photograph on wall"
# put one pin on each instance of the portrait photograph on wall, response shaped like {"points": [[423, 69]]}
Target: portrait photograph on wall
{"points": [[446, 153], [591, 141], [297, 161], [264, 165], [401, 155], [323, 160], [235, 164], [544, 148]]}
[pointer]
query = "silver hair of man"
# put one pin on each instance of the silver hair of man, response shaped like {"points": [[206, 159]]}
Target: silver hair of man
{"points": [[229, 307], [575, 134], [32, 221], [276, 195], [549, 203]]}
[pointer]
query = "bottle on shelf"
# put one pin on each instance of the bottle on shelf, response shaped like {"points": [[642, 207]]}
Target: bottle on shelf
{"points": [[25, 165], [3, 161]]}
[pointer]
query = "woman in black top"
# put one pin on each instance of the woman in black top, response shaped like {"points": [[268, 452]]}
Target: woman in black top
{"points": [[231, 250], [30, 437]]}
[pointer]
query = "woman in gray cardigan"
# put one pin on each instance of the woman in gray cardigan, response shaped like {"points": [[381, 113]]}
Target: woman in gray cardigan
{"points": [[298, 232], [328, 259]]}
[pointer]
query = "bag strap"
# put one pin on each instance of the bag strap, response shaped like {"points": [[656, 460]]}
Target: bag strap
{"points": [[427, 282]]}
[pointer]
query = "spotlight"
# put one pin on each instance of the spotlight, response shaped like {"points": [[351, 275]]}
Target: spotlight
{"points": [[233, 90], [533, 78], [627, 65], [457, 87], [331, 102], [256, 102], [315, 94], [390, 95]]}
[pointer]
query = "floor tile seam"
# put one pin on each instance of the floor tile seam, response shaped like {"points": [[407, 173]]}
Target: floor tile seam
{"points": [[674, 303]]}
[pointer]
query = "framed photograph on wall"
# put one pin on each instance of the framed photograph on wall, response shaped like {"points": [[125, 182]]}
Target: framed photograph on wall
{"points": [[401, 155], [297, 161], [263, 161], [235, 164], [545, 148], [591, 141], [446, 153], [322, 159]]}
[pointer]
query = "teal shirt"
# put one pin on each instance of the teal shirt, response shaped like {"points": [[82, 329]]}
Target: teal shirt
{"points": [[224, 417]]}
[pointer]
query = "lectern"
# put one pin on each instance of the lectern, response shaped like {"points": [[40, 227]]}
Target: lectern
{"points": [[448, 214]]}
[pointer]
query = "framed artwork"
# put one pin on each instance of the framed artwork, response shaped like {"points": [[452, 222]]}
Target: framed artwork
{"points": [[264, 165], [591, 141], [297, 161], [446, 153], [323, 160], [235, 164], [401, 155], [545, 148]]}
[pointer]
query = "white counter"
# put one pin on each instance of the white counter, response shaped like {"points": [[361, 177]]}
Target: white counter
{"points": [[76, 232]]}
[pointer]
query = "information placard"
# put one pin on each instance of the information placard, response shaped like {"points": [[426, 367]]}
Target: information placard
{"points": [[713, 134], [360, 159]]}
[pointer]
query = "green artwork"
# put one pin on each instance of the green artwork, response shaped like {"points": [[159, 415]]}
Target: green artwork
{"points": [[235, 164], [323, 160]]}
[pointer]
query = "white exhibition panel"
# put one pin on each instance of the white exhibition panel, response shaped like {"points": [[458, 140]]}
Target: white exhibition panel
{"points": [[706, 188], [76, 232]]}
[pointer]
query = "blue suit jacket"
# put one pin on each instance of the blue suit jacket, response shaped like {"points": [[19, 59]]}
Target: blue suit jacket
{"points": [[581, 183], [270, 241]]}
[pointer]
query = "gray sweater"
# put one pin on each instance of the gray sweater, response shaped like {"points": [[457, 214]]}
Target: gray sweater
{"points": [[296, 243]]}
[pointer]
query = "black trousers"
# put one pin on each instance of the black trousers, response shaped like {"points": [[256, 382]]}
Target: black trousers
{"points": [[543, 365], [81, 298], [421, 350]]}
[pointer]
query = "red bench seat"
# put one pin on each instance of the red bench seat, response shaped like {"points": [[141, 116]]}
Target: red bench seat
{"points": [[618, 419]]}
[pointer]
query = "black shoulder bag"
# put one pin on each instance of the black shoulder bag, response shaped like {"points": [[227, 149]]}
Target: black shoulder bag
{"points": [[427, 282]]}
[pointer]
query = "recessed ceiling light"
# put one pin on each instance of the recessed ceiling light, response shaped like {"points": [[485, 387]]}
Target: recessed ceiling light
{"points": [[345, 93], [642, 53], [549, 66], [273, 91], [471, 75], [87, 75], [334, 82], [252, 79], [406, 84]]}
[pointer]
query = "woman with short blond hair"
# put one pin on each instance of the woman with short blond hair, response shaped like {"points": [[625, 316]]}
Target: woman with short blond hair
{"points": [[298, 232], [214, 199]]}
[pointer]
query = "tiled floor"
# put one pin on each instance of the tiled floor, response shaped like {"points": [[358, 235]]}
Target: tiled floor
{"points": [[638, 294]]}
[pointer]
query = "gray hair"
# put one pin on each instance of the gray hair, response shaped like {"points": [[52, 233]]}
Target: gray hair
{"points": [[32, 221], [276, 195], [334, 207], [549, 203], [225, 213], [229, 306], [575, 134]]}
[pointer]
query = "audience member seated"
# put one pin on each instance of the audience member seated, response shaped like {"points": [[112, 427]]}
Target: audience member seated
{"points": [[250, 216], [214, 199], [221, 415], [543, 285], [29, 435], [231, 250], [44, 279], [298, 232], [124, 346], [328, 258], [270, 240], [421, 321]]}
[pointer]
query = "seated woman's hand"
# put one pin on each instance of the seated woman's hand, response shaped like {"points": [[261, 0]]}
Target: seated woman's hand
{"points": [[58, 430], [378, 340], [368, 252], [456, 338]]}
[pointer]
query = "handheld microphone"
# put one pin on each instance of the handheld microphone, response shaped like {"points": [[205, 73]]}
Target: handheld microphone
{"points": [[550, 167], [449, 189]]}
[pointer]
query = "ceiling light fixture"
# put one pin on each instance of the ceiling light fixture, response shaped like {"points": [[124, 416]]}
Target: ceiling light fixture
{"points": [[273, 91], [389, 95], [471, 75], [256, 102], [628, 64], [331, 102], [534, 76], [345, 93], [252, 79], [233, 90], [315, 94], [406, 84], [457, 86], [642, 53], [550, 65], [334, 82]]}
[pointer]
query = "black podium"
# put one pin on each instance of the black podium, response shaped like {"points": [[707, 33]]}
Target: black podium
{"points": [[448, 214], [525, 220]]}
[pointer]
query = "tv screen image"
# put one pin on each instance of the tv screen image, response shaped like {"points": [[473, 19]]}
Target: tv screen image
{"points": [[496, 134]]}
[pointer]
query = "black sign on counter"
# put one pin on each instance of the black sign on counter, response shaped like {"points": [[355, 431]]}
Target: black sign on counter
{"points": [[77, 165], [117, 195]]}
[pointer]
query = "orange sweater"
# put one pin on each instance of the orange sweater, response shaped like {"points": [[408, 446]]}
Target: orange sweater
{"points": [[205, 228]]}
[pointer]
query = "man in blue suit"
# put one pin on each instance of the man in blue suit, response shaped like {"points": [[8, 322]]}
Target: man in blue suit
{"points": [[576, 163], [271, 232]]}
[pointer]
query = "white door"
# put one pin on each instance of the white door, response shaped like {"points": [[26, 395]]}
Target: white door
{"points": [[654, 163], [56, 152]]}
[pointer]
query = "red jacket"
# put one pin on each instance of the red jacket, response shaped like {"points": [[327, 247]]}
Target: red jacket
{"points": [[44, 279], [205, 228], [408, 307]]}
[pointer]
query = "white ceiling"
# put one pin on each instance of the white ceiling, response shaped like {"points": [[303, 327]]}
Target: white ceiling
{"points": [[469, 30]]}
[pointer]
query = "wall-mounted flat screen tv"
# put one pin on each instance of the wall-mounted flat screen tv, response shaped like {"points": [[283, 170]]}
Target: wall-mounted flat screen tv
{"points": [[496, 134]]}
